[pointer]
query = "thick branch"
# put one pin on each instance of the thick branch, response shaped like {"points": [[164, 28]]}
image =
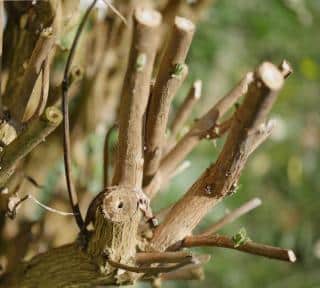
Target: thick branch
{"points": [[232, 216], [135, 94], [34, 133], [218, 180], [65, 266], [203, 127], [249, 247], [169, 79]]}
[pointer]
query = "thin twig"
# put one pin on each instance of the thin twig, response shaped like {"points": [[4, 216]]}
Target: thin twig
{"points": [[144, 258], [115, 11], [249, 247], [183, 166], [185, 109], [232, 216], [73, 198], [33, 182], [50, 209], [150, 270]]}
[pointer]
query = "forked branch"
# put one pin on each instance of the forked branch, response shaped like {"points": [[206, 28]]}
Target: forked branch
{"points": [[203, 127], [219, 179]]}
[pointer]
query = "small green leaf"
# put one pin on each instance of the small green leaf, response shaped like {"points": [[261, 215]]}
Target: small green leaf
{"points": [[240, 238], [141, 61], [178, 70]]}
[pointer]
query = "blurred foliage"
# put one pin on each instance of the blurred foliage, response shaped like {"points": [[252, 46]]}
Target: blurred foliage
{"points": [[285, 171]]}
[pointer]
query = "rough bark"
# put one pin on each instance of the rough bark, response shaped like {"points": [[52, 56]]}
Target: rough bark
{"points": [[168, 81], [123, 242], [205, 126], [218, 180], [134, 98]]}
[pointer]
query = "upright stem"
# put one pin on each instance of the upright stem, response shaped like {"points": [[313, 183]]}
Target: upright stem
{"points": [[134, 99], [169, 79]]}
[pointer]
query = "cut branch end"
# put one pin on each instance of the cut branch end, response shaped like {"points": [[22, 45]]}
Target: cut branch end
{"points": [[147, 17], [270, 76], [53, 115]]}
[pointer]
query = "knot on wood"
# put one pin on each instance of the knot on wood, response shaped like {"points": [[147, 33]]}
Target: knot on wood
{"points": [[120, 204]]}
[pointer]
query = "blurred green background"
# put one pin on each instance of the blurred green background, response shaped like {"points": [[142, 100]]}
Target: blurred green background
{"points": [[285, 172]]}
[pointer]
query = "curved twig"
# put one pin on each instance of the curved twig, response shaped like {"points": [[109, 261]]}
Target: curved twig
{"points": [[73, 198]]}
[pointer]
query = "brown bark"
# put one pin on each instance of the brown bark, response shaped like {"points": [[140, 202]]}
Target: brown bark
{"points": [[168, 81], [114, 251], [135, 94], [206, 125], [185, 109], [218, 180], [248, 247]]}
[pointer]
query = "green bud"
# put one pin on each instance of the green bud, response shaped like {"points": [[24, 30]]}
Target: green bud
{"points": [[141, 61], [178, 70], [240, 238]]}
